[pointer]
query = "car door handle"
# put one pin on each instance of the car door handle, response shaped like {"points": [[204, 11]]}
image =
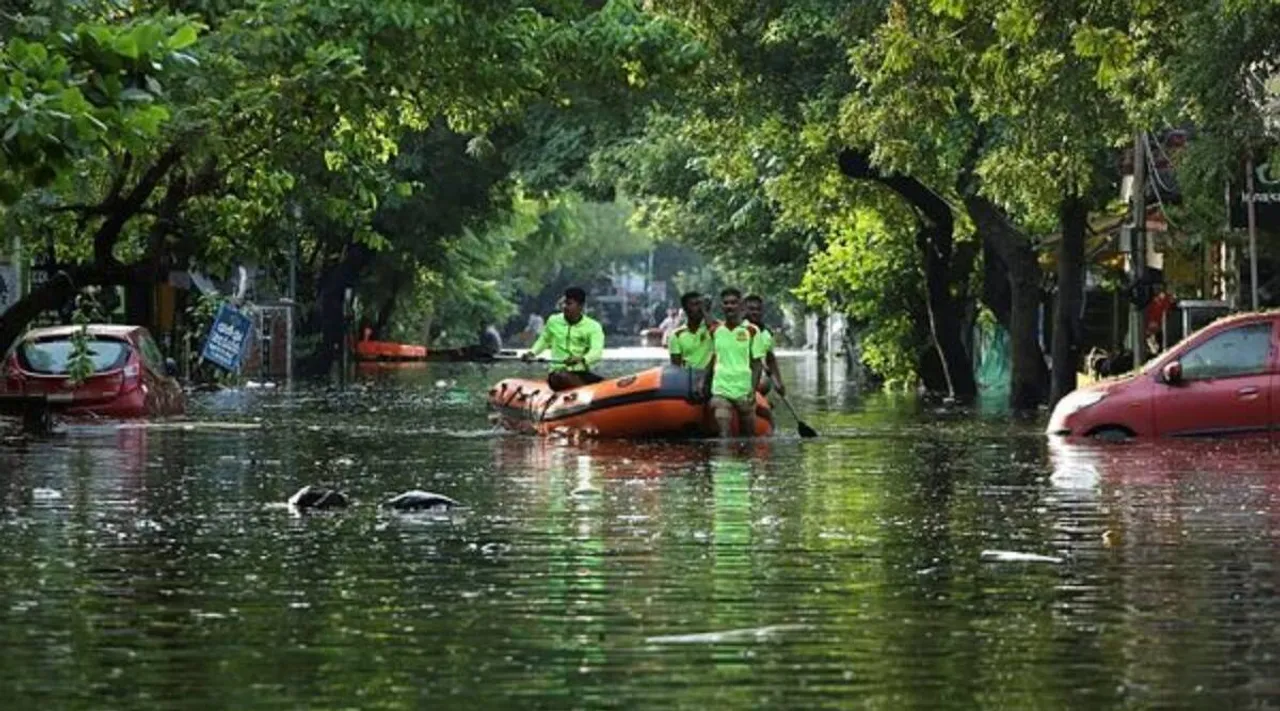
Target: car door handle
{"points": [[1249, 391]]}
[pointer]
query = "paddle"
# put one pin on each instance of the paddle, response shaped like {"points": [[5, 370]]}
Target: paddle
{"points": [[510, 356], [803, 428]]}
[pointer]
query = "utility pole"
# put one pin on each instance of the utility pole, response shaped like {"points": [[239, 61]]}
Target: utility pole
{"points": [[1252, 213], [1138, 241], [293, 304]]}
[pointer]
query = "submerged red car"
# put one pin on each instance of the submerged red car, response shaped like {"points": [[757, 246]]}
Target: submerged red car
{"points": [[1221, 380], [131, 378]]}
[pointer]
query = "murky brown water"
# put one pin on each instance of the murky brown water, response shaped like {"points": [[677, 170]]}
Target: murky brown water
{"points": [[150, 567]]}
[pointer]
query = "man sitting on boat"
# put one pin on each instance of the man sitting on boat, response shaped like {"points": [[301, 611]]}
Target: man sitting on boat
{"points": [[736, 364], [690, 344], [576, 342], [754, 306]]}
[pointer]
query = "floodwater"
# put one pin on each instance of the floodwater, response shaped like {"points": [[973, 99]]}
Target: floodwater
{"points": [[152, 567]]}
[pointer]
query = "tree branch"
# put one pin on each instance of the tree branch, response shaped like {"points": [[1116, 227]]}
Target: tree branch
{"points": [[117, 185], [104, 240]]}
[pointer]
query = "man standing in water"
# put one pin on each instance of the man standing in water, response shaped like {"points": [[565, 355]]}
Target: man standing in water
{"points": [[754, 308], [690, 344], [576, 342], [736, 364]]}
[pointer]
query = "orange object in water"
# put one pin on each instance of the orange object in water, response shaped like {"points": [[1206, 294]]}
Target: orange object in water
{"points": [[386, 350], [660, 402]]}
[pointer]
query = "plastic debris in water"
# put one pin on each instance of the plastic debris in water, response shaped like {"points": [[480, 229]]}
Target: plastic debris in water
{"points": [[1017, 557], [416, 500], [317, 497], [41, 493]]}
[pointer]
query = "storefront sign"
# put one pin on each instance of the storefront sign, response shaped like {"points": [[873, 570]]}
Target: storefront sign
{"points": [[228, 337]]}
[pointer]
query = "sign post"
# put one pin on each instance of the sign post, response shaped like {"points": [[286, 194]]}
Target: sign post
{"points": [[228, 337]]}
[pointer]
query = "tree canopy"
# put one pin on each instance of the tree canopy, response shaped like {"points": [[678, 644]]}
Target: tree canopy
{"points": [[906, 162]]}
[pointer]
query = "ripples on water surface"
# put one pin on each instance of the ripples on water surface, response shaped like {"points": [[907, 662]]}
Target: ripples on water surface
{"points": [[150, 567]]}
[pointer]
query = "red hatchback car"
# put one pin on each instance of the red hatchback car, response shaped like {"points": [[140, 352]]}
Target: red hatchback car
{"points": [[131, 377], [1222, 380]]}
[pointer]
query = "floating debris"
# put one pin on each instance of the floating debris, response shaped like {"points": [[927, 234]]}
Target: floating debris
{"points": [[41, 493], [1017, 557], [416, 500], [317, 497], [752, 634]]}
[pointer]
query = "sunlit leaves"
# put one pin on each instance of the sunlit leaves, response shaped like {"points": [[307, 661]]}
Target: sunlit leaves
{"points": [[69, 93]]}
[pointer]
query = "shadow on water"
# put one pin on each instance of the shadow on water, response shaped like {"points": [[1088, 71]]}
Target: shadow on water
{"points": [[151, 566]]}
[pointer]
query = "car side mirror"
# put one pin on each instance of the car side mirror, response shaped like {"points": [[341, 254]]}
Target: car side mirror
{"points": [[171, 367], [1172, 372]]}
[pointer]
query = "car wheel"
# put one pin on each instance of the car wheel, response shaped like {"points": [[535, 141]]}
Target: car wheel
{"points": [[1112, 434]]}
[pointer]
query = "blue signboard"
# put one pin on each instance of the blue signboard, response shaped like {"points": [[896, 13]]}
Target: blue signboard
{"points": [[228, 337]]}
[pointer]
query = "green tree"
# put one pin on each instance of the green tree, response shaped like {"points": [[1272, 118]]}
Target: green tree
{"points": [[278, 98]]}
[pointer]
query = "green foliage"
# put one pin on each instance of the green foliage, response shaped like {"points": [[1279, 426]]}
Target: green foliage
{"points": [[861, 273], [68, 91], [487, 152], [80, 362]]}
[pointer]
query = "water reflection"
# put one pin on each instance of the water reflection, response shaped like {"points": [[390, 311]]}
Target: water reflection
{"points": [[1189, 532], [834, 573]]}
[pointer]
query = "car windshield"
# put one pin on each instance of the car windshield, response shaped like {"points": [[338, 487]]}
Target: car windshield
{"points": [[54, 356], [1150, 365]]}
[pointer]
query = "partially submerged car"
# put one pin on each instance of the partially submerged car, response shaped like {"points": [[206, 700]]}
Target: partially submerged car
{"points": [[1222, 380], [130, 378]]}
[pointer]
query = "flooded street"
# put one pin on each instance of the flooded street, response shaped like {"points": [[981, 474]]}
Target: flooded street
{"points": [[154, 566]]}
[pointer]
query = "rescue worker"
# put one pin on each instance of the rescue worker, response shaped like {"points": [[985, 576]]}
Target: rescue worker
{"points": [[690, 344], [576, 342], [754, 309], [736, 364]]}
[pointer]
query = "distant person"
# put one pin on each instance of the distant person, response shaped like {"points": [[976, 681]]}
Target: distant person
{"points": [[672, 321], [1153, 317], [669, 326], [532, 329], [736, 364], [690, 344], [490, 340], [576, 342], [754, 308]]}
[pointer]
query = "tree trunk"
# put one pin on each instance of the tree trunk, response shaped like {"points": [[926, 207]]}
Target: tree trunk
{"points": [[934, 238], [1029, 378], [934, 244], [388, 307], [821, 345], [996, 292], [1074, 216], [330, 306]]}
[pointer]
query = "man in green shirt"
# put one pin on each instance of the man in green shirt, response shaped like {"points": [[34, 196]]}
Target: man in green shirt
{"points": [[753, 305], [576, 342], [690, 344], [736, 365]]}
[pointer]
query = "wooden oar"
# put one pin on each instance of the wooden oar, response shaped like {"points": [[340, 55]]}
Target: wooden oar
{"points": [[801, 426]]}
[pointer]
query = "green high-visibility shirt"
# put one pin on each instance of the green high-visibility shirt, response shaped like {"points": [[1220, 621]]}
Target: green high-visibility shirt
{"points": [[584, 339], [766, 338], [735, 349], [693, 346]]}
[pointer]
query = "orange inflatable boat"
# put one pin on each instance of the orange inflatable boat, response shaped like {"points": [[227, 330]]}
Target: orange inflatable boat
{"points": [[661, 402], [386, 350]]}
